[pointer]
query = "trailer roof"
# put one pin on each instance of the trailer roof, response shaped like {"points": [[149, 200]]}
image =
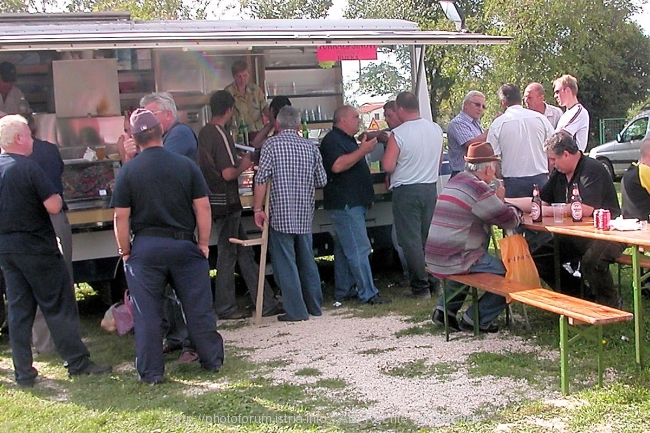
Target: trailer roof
{"points": [[67, 31]]}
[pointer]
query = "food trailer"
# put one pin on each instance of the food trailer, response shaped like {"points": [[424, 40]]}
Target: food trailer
{"points": [[80, 72]]}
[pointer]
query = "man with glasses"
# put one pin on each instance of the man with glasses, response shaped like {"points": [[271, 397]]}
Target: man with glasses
{"points": [[575, 120], [465, 129], [177, 137]]}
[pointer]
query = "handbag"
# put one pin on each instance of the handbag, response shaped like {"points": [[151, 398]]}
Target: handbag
{"points": [[518, 261], [122, 313]]}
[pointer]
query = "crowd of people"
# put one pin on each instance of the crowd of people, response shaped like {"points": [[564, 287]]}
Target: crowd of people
{"points": [[176, 189]]}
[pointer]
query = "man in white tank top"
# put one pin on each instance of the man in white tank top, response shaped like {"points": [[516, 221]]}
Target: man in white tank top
{"points": [[413, 157]]}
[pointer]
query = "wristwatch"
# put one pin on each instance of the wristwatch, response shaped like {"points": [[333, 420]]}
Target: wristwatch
{"points": [[121, 251], [258, 210]]}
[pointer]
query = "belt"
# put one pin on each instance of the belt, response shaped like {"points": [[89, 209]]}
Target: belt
{"points": [[162, 233]]}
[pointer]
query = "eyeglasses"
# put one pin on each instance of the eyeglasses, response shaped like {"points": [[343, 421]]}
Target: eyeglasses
{"points": [[478, 104]]}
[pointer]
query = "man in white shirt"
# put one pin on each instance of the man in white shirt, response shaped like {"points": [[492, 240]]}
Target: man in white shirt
{"points": [[575, 120], [534, 100], [518, 135], [413, 157], [10, 95]]}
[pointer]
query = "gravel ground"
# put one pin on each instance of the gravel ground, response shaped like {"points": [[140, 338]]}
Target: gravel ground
{"points": [[361, 351]]}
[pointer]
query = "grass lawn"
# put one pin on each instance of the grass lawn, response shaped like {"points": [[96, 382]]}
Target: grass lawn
{"points": [[242, 399]]}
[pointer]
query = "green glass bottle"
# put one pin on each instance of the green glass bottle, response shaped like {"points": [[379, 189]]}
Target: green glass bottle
{"points": [[305, 130], [243, 132]]}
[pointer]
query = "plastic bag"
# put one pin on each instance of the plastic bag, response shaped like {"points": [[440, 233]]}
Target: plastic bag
{"points": [[108, 322], [122, 314], [519, 264]]}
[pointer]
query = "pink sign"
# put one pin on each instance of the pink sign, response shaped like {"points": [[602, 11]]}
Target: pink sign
{"points": [[334, 53]]}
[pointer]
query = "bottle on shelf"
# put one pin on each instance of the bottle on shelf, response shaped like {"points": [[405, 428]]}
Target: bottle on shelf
{"points": [[536, 205], [305, 129], [243, 132], [576, 203]]}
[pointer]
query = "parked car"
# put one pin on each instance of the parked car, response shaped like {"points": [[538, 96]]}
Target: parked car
{"points": [[617, 155]]}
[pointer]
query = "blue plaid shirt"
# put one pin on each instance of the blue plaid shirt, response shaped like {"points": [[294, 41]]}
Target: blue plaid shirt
{"points": [[461, 129], [295, 167]]}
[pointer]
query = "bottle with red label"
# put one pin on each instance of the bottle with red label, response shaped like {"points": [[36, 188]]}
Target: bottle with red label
{"points": [[536, 205], [576, 203]]}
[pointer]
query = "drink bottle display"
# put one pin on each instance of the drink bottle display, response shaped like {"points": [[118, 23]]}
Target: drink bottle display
{"points": [[576, 203], [536, 205]]}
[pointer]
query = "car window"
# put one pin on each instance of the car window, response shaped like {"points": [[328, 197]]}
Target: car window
{"points": [[636, 130]]}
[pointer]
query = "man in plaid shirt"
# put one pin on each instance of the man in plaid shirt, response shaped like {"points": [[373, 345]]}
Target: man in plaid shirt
{"points": [[294, 167]]}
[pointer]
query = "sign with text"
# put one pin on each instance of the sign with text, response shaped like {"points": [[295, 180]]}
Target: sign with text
{"points": [[334, 53]]}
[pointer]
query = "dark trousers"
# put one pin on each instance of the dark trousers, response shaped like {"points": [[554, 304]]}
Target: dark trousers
{"points": [[155, 262], [412, 212], [594, 256], [41, 280], [229, 254]]}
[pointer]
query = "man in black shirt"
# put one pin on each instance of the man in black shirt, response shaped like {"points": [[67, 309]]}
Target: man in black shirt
{"points": [[347, 195], [635, 186], [34, 270], [597, 190], [162, 198]]}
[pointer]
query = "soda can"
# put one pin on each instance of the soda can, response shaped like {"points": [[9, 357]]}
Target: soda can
{"points": [[607, 217], [598, 218]]}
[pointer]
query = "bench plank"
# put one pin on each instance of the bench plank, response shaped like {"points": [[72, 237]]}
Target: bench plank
{"points": [[490, 283], [626, 259], [575, 308]]}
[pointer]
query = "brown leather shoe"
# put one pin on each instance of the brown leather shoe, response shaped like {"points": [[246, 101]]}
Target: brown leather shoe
{"points": [[187, 357]]}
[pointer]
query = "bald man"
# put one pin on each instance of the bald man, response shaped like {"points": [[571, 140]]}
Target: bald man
{"points": [[534, 100]]}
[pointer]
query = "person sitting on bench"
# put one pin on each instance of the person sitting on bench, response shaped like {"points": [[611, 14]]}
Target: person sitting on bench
{"points": [[460, 233]]}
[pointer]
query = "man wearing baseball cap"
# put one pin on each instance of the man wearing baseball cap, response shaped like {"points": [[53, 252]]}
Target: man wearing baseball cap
{"points": [[12, 99], [162, 198], [460, 232]]}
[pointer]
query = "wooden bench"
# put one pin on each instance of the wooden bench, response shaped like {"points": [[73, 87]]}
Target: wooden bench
{"points": [[573, 312], [626, 260]]}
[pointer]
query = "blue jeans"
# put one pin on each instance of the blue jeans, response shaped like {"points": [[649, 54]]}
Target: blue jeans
{"points": [[490, 305], [351, 251], [229, 254], [412, 212], [296, 273]]}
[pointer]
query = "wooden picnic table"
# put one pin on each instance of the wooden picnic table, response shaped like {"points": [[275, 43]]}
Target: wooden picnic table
{"points": [[585, 229]]}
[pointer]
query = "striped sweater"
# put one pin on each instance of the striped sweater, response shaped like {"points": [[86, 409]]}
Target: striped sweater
{"points": [[460, 227]]}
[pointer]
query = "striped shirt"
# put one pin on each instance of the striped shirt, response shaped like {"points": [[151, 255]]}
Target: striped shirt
{"points": [[295, 167], [461, 223]]}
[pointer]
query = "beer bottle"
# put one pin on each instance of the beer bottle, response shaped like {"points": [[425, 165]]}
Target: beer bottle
{"points": [[305, 130], [576, 203], [536, 206]]}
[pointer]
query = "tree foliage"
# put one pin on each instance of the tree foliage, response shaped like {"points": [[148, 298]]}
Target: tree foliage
{"points": [[591, 40], [144, 9], [286, 9], [382, 78]]}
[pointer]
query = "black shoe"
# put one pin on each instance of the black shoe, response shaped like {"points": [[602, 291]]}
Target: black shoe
{"points": [[274, 311], [151, 382], [377, 300], [171, 347], [420, 295], [236, 315], [438, 318], [92, 368], [284, 318], [490, 328]]}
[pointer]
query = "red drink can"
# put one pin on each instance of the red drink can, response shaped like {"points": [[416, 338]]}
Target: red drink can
{"points": [[607, 217]]}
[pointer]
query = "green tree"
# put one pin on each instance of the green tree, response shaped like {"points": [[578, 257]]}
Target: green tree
{"points": [[286, 9], [382, 78], [591, 40], [144, 9]]}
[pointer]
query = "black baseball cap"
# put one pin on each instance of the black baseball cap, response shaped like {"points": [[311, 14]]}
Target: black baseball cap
{"points": [[7, 72]]}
